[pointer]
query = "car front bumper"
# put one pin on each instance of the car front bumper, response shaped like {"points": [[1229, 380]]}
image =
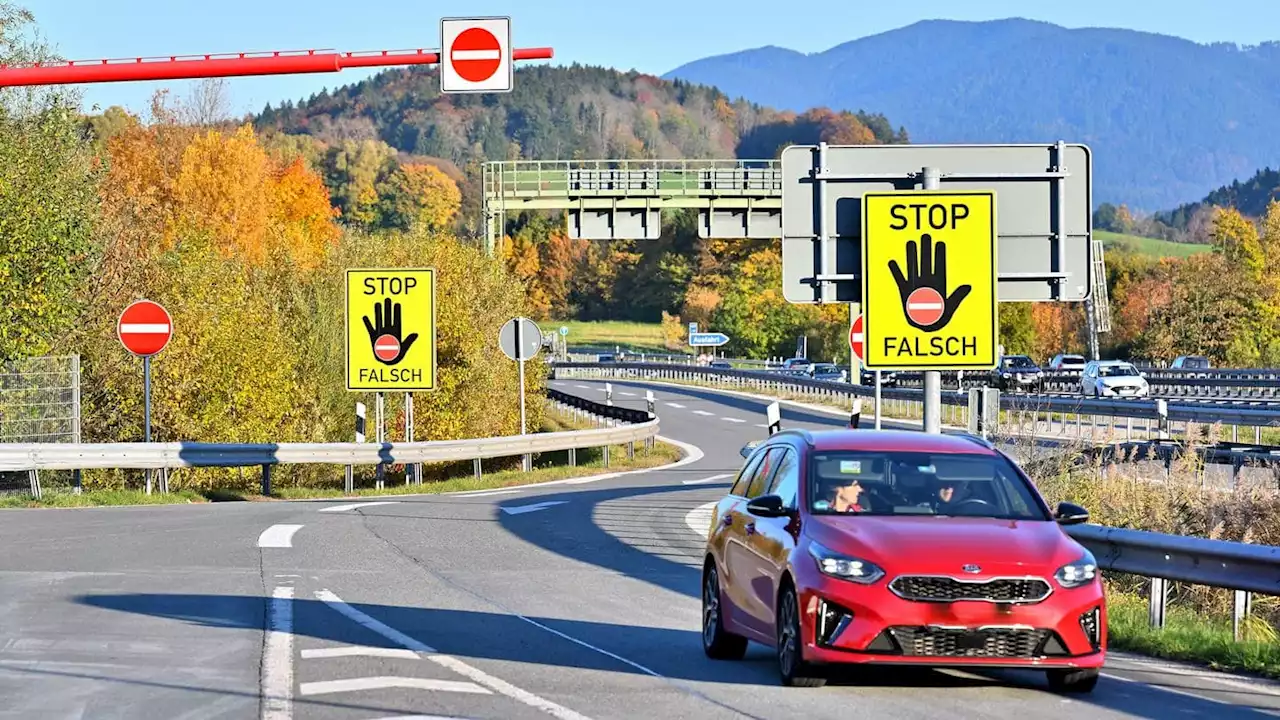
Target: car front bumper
{"points": [[848, 623], [1124, 391]]}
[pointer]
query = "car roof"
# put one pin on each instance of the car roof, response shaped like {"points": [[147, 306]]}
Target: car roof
{"points": [[893, 441], [1110, 363]]}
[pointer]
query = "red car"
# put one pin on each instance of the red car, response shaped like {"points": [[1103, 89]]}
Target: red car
{"points": [[894, 547]]}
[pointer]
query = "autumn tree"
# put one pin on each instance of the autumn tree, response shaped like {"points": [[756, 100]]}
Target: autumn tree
{"points": [[418, 194]]}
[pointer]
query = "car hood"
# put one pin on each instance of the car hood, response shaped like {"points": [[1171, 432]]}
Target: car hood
{"points": [[933, 544], [1122, 380]]}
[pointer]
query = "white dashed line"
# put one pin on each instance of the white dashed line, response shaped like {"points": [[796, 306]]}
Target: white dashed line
{"points": [[277, 658], [353, 506], [762, 425], [628, 394], [703, 412], [583, 387], [713, 478], [677, 406], [359, 651], [324, 687], [447, 661], [734, 420], [278, 536]]}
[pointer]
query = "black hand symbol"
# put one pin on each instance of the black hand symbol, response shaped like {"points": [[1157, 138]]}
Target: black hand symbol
{"points": [[928, 271], [385, 327]]}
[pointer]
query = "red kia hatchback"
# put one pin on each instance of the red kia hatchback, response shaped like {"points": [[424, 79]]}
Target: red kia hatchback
{"points": [[848, 546]]}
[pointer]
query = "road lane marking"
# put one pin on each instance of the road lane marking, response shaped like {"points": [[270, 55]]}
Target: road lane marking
{"points": [[535, 507], [278, 536], [353, 506], [735, 420], [713, 478], [762, 425], [447, 661], [277, 657], [703, 412], [628, 394], [358, 651], [484, 493], [699, 518], [584, 387], [325, 687], [677, 406]]}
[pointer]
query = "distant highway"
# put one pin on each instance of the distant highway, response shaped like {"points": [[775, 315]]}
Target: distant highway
{"points": [[570, 600]]}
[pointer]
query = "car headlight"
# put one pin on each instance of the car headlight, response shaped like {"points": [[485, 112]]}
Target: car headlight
{"points": [[1078, 573], [845, 567]]}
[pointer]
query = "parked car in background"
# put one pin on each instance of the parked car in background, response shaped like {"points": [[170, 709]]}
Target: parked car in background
{"points": [[1113, 378], [888, 378], [1017, 373], [795, 366], [1190, 362], [1066, 362], [904, 548]]}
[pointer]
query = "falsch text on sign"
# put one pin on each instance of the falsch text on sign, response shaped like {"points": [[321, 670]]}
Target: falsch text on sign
{"points": [[390, 287], [930, 217]]}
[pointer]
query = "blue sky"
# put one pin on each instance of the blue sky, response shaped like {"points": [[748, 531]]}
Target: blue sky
{"points": [[654, 36]]}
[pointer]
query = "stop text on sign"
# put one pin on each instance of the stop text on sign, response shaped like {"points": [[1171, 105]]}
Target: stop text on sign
{"points": [[929, 280], [391, 329]]}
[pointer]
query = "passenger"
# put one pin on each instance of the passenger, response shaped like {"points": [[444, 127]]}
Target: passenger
{"points": [[846, 496]]}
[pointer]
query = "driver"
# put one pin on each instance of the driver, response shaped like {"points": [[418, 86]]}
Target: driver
{"points": [[845, 497]]}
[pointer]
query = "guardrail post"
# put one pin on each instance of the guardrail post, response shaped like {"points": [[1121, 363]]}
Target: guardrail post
{"points": [[651, 403], [33, 477], [608, 393], [380, 429], [573, 457], [266, 479], [1243, 604], [1158, 602], [631, 450], [477, 469], [1162, 418], [606, 456]]}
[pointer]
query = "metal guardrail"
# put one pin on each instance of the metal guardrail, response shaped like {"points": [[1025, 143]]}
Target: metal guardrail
{"points": [[623, 426]]}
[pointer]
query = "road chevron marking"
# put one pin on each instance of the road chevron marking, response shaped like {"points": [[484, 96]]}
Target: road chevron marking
{"points": [[383, 682], [474, 674], [278, 536]]}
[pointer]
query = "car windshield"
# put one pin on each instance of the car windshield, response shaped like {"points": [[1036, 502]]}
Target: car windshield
{"points": [[1117, 371], [920, 483], [1072, 360], [1018, 361], [825, 368]]}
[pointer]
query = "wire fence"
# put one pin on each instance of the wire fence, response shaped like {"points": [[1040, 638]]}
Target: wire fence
{"points": [[39, 403]]}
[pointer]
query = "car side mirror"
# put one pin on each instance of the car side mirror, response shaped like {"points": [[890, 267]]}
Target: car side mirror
{"points": [[767, 506], [749, 448], [1070, 514]]}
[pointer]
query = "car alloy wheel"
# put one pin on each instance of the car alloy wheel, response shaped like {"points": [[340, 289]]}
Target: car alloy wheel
{"points": [[794, 670], [717, 642]]}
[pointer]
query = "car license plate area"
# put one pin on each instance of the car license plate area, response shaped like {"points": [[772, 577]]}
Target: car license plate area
{"points": [[975, 640]]}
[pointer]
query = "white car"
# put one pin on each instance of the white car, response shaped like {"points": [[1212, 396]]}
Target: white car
{"points": [[1113, 378]]}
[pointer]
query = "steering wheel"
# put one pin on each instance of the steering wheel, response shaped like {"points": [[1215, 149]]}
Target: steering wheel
{"points": [[971, 501]]}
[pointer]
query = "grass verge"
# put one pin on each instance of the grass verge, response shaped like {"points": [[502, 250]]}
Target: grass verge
{"points": [[630, 336], [1190, 635], [547, 467], [1149, 246]]}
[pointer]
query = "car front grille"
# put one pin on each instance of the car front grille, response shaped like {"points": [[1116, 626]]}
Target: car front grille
{"points": [[1023, 643], [928, 588]]}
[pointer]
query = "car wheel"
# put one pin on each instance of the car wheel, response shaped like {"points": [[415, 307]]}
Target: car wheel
{"points": [[1073, 681], [717, 642], [795, 672]]}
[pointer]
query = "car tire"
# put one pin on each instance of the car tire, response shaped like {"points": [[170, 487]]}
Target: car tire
{"points": [[1073, 681], [717, 643], [792, 668]]}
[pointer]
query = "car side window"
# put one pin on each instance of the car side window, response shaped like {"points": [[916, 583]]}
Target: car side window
{"points": [[761, 475], [739, 488], [786, 481]]}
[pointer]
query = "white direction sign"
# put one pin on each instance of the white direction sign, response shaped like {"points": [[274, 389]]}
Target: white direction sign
{"points": [[476, 55]]}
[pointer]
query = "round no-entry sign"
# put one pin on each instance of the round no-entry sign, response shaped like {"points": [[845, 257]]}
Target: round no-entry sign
{"points": [[924, 306], [144, 328], [855, 337], [476, 54]]}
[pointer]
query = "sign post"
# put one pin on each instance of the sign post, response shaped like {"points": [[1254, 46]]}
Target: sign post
{"points": [[144, 329], [520, 340], [475, 55], [929, 281]]}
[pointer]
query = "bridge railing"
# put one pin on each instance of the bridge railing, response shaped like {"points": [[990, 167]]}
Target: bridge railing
{"points": [[632, 178]]}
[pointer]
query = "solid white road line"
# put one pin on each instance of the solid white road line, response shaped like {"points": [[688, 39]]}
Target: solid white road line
{"points": [[324, 687], [733, 420], [677, 406], [423, 717], [484, 493], [447, 661], [277, 657], [278, 536], [522, 509], [353, 506], [713, 478], [358, 651]]}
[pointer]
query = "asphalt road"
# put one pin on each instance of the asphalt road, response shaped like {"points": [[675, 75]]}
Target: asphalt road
{"points": [[569, 600]]}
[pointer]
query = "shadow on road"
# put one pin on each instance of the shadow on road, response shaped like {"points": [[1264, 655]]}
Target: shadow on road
{"points": [[501, 637]]}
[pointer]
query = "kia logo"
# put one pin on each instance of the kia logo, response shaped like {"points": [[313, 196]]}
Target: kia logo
{"points": [[971, 569]]}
